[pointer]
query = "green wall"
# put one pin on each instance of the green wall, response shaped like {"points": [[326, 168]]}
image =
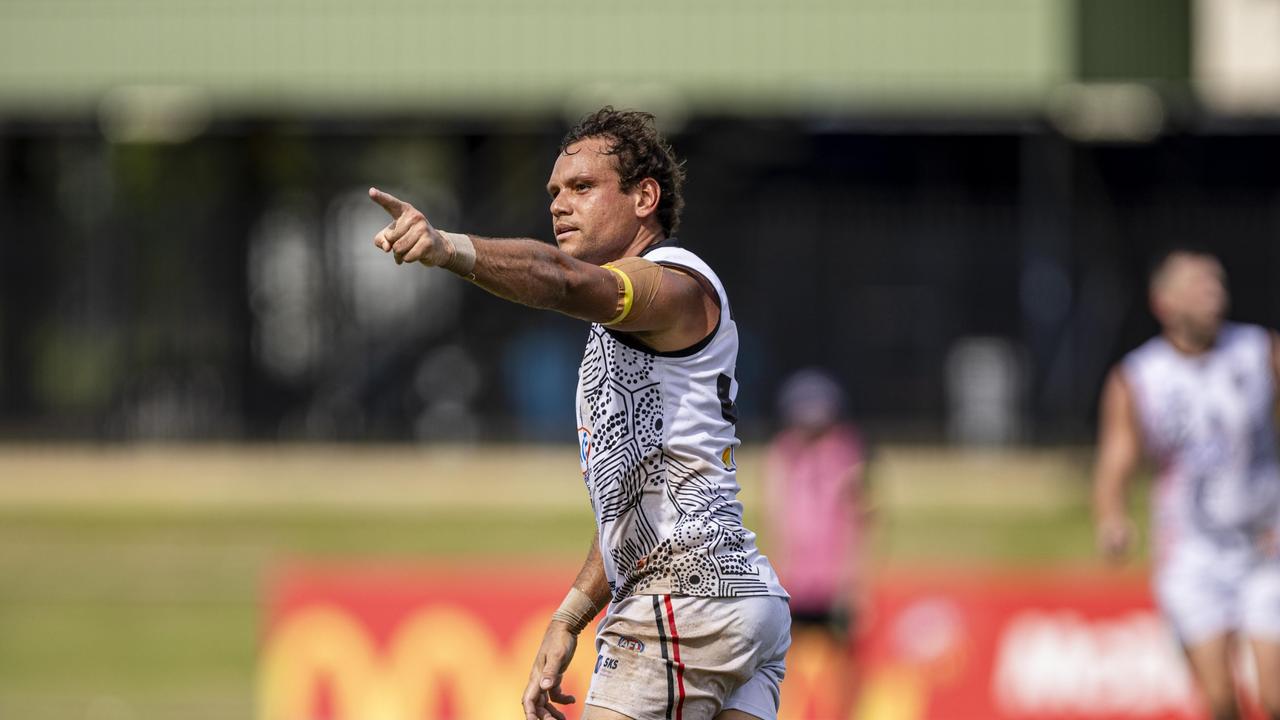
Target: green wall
{"points": [[511, 57]]}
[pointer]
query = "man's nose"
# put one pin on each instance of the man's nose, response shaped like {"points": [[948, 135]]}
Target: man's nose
{"points": [[559, 206]]}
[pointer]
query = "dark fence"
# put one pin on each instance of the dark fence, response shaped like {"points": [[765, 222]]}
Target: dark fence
{"points": [[225, 288]]}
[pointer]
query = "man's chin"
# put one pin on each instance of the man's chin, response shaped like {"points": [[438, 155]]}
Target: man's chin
{"points": [[570, 245], [578, 251]]}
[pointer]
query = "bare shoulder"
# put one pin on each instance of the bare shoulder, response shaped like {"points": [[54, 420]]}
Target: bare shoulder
{"points": [[1117, 382], [690, 287], [1117, 399], [692, 309]]}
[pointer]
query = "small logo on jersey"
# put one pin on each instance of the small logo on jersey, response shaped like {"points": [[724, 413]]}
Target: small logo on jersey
{"points": [[630, 643], [605, 663], [584, 445], [726, 457]]}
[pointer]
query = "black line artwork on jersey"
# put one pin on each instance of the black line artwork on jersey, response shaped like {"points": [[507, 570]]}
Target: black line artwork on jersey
{"points": [[631, 476]]}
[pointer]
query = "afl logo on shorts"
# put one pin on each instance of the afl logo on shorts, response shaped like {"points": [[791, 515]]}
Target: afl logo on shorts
{"points": [[630, 643]]}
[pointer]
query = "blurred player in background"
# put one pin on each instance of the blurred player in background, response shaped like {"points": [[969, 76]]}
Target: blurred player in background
{"points": [[1200, 398], [817, 519], [697, 624]]}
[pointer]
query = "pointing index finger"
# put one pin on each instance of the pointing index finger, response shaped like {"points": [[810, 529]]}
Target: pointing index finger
{"points": [[389, 202]]}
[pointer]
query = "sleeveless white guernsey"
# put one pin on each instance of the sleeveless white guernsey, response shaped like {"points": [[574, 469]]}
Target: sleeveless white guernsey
{"points": [[656, 435], [1208, 422]]}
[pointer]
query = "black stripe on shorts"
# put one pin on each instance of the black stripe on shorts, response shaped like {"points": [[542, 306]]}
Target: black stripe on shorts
{"points": [[662, 643]]}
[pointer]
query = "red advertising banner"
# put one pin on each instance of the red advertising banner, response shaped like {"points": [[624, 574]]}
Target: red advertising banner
{"points": [[450, 643], [1018, 646]]}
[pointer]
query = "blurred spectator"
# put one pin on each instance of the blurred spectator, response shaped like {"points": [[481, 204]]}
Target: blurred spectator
{"points": [[818, 515]]}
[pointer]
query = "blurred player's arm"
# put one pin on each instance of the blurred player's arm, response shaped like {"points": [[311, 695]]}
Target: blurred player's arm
{"points": [[588, 595], [1275, 357], [1119, 453], [665, 308]]}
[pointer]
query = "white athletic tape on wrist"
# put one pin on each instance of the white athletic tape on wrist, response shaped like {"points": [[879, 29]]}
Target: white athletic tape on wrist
{"points": [[462, 254], [577, 611]]}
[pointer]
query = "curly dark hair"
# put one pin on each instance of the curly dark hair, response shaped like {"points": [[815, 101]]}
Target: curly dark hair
{"points": [[639, 153]]}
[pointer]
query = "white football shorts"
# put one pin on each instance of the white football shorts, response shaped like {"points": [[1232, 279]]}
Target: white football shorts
{"points": [[1206, 591], [673, 657]]}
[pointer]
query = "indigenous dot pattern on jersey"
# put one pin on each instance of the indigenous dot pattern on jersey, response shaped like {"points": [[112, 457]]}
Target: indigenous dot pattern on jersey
{"points": [[673, 530]]}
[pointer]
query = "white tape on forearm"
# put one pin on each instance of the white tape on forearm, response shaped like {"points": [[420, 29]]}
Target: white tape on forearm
{"points": [[577, 611], [462, 253]]}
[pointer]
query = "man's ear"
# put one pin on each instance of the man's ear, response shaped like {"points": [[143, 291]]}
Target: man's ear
{"points": [[647, 194]]}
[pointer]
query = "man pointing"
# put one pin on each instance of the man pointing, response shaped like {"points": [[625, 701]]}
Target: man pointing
{"points": [[697, 624]]}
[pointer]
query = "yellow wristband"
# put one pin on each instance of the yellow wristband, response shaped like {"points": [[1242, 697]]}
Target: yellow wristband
{"points": [[628, 295]]}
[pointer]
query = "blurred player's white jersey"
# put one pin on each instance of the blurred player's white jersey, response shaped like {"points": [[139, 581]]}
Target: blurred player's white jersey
{"points": [[656, 434], [1208, 420]]}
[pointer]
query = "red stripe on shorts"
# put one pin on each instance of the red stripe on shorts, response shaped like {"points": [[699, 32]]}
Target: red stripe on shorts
{"points": [[675, 648]]}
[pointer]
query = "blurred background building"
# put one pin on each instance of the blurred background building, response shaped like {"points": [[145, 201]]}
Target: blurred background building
{"points": [[943, 185]]}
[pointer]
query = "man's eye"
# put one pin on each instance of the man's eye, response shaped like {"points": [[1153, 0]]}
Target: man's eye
{"points": [[581, 187]]}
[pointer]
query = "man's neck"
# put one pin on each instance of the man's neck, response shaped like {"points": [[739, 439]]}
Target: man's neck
{"points": [[1189, 344], [645, 238]]}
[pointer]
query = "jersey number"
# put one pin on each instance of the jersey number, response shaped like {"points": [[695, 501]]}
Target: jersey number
{"points": [[724, 384]]}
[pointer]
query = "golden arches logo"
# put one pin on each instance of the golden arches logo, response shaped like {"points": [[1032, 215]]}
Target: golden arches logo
{"points": [[440, 655], [445, 656]]}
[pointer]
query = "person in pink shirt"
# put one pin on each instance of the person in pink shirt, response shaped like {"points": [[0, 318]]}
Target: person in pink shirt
{"points": [[818, 512]]}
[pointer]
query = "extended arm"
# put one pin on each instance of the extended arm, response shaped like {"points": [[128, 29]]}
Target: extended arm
{"points": [[1119, 453], [677, 313], [538, 275], [589, 593]]}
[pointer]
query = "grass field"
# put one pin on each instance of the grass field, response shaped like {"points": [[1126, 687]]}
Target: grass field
{"points": [[132, 578]]}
